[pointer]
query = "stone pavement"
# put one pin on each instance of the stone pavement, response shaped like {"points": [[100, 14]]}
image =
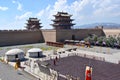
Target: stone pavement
{"points": [[110, 54], [8, 72], [114, 58]]}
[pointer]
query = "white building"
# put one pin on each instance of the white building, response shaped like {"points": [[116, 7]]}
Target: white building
{"points": [[34, 52], [14, 54]]}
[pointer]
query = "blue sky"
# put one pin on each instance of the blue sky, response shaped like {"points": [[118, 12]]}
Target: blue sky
{"points": [[14, 13]]}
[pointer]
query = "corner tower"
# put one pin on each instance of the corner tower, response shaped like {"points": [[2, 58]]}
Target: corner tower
{"points": [[62, 21], [33, 24]]}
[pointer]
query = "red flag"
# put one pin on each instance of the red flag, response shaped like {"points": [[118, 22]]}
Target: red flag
{"points": [[88, 73]]}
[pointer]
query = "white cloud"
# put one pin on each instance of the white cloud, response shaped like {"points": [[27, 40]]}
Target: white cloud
{"points": [[44, 16], [44, 12], [83, 11], [79, 5], [19, 7], [25, 15], [48, 7], [15, 25], [75, 8], [40, 14], [105, 3], [96, 3], [3, 8], [13, 1], [107, 8], [61, 5]]}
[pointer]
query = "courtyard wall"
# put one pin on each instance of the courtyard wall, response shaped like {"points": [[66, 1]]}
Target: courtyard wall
{"points": [[19, 37], [77, 34], [49, 35], [16, 37]]}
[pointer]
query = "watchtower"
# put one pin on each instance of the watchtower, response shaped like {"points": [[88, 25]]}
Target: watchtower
{"points": [[62, 21], [33, 24]]}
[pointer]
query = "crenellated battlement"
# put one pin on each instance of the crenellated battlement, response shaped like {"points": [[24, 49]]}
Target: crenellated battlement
{"points": [[19, 37], [14, 37], [20, 30]]}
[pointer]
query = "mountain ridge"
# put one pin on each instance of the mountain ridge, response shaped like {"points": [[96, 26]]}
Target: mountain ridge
{"points": [[105, 25]]}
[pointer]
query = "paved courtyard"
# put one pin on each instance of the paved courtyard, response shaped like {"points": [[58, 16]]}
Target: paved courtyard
{"points": [[105, 50], [75, 66], [110, 55], [7, 72]]}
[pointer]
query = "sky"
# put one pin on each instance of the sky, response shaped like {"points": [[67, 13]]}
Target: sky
{"points": [[14, 13]]}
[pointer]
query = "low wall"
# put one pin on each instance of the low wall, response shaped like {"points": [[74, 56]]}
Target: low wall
{"points": [[16, 37], [112, 32]]}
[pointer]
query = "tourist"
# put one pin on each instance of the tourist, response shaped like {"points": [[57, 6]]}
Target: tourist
{"points": [[54, 62], [56, 58]]}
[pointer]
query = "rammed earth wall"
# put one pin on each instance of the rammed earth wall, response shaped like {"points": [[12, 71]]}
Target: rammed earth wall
{"points": [[77, 34], [15, 37]]}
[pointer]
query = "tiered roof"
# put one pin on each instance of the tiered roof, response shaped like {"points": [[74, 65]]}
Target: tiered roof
{"points": [[33, 23], [64, 14], [62, 21]]}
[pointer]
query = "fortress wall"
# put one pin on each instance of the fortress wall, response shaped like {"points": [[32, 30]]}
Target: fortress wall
{"points": [[79, 34], [15, 37], [49, 35], [111, 32]]}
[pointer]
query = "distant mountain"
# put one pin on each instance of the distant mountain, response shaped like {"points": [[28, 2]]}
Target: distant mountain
{"points": [[105, 25]]}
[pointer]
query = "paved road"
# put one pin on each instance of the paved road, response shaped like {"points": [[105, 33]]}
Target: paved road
{"points": [[7, 72]]}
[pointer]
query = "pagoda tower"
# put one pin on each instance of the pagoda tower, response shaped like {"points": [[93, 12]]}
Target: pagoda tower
{"points": [[33, 24], [62, 21]]}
